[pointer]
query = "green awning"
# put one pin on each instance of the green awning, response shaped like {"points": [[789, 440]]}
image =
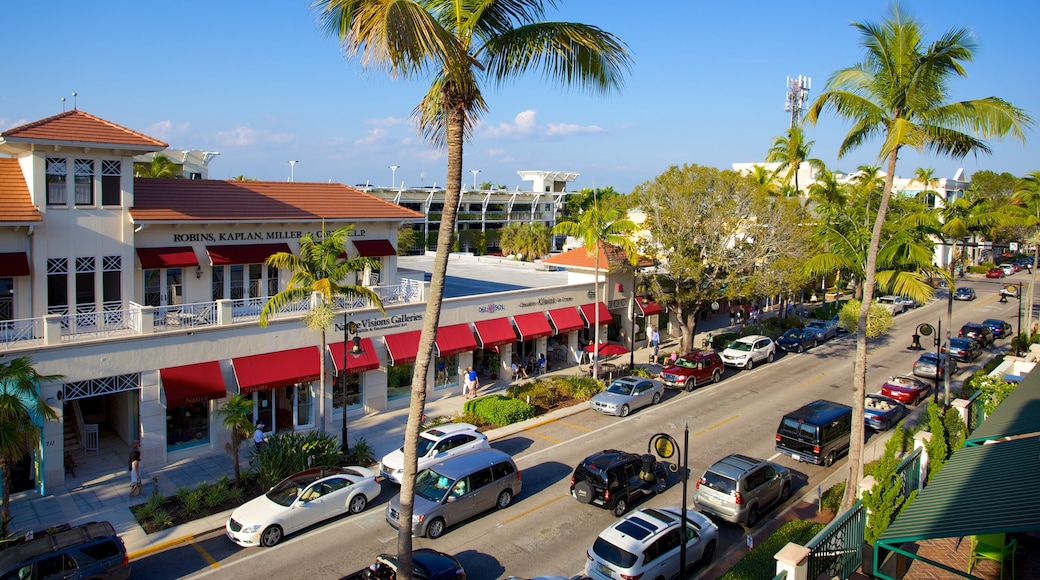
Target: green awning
{"points": [[1019, 414]]}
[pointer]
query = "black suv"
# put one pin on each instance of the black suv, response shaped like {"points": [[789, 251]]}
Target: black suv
{"points": [[91, 550], [611, 479], [980, 333]]}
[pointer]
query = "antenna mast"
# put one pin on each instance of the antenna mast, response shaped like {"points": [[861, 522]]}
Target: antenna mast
{"points": [[797, 95]]}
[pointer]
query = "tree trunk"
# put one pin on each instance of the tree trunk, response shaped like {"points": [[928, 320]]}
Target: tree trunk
{"points": [[321, 391], [1029, 301], [5, 483], [431, 319]]}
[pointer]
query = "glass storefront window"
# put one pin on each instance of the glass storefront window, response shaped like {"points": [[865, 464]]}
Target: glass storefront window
{"points": [[304, 405], [187, 426], [353, 390], [399, 381], [447, 374]]}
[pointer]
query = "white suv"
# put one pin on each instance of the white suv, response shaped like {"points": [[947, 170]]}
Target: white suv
{"points": [[746, 351], [646, 544], [435, 444], [894, 304]]}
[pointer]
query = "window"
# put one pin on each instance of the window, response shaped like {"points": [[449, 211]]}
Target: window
{"points": [[101, 550], [399, 381], [111, 281], [447, 372], [304, 405], [84, 181], [337, 483], [55, 566], [187, 426], [665, 544], [57, 285], [353, 391], [6, 299], [57, 175], [480, 479], [500, 470], [111, 184]]}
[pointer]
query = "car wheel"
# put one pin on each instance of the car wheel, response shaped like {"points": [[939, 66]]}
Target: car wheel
{"points": [[800, 348], [752, 516], [620, 507], [435, 529], [358, 503], [662, 484], [624, 411], [656, 399], [815, 343], [750, 364], [829, 460], [271, 536], [716, 376], [769, 358], [584, 491], [709, 553], [504, 499], [691, 384], [785, 492]]}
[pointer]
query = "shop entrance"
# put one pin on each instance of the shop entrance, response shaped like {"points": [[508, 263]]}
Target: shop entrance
{"points": [[98, 430]]}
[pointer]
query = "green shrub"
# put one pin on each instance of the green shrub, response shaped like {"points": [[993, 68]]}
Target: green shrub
{"points": [[884, 500], [759, 563], [585, 387], [215, 496], [640, 372], [183, 493], [162, 519], [879, 319], [721, 341], [831, 499], [287, 453], [235, 495], [360, 453], [499, 409]]}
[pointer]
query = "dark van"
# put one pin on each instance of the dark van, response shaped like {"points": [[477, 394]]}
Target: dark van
{"points": [[817, 433], [90, 550]]}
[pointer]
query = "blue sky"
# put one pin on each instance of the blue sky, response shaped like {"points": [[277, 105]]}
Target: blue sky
{"points": [[258, 82]]}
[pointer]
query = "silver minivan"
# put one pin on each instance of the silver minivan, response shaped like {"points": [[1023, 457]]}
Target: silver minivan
{"points": [[458, 488]]}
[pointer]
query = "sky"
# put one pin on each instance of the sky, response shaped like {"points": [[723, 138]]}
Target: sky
{"points": [[259, 82]]}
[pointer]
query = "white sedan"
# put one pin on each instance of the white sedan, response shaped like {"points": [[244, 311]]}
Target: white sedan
{"points": [[436, 444], [302, 500]]}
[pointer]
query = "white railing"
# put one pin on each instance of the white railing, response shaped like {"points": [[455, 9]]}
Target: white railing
{"points": [[22, 332], [109, 321], [181, 316]]}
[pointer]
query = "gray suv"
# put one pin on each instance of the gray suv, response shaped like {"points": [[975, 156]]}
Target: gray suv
{"points": [[91, 550], [737, 488]]}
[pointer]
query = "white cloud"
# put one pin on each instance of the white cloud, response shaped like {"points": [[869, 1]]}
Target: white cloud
{"points": [[496, 152], [371, 137], [9, 124], [239, 136], [387, 121], [166, 129], [567, 129], [525, 124]]}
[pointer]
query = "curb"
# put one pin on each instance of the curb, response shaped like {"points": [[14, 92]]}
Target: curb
{"points": [[180, 534], [545, 419]]}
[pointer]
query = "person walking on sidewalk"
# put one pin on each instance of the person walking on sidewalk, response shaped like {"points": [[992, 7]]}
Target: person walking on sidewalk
{"points": [[470, 383], [135, 474]]}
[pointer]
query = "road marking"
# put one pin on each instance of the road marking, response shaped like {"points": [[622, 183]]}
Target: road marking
{"points": [[159, 547], [715, 426], [534, 509], [212, 563], [575, 426], [812, 380], [549, 439]]}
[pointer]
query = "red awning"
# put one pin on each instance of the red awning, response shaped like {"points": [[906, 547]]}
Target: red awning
{"points": [[367, 360], [589, 312], [177, 257], [566, 320], [533, 325], [455, 339], [192, 384], [494, 332], [647, 306], [403, 347], [263, 372], [14, 264], [244, 254], [374, 248]]}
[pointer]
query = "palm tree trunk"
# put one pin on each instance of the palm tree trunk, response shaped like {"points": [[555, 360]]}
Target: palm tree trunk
{"points": [[1029, 302], [321, 390], [595, 332], [5, 483], [431, 319]]}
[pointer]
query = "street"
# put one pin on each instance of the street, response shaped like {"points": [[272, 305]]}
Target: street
{"points": [[545, 531]]}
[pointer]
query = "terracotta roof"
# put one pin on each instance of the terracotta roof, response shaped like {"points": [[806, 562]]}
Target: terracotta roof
{"points": [[610, 258], [165, 200], [15, 202], [75, 126]]}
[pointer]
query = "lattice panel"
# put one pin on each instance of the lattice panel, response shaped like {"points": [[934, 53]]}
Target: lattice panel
{"points": [[111, 167], [57, 265], [111, 263], [56, 166], [84, 167], [84, 265], [103, 386]]}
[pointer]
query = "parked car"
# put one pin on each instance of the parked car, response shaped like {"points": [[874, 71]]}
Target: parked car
{"points": [[881, 413], [646, 544], [907, 389], [1025, 263], [836, 322], [694, 369], [91, 550], [995, 273], [980, 333], [964, 293], [435, 444], [625, 394], [797, 340], [746, 351], [824, 329], [1008, 269], [931, 366], [738, 488], [816, 433], [428, 564], [909, 302], [302, 500], [1000, 328], [964, 350], [894, 304], [613, 479]]}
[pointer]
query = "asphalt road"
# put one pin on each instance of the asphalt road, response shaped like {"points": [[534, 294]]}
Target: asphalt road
{"points": [[545, 531]]}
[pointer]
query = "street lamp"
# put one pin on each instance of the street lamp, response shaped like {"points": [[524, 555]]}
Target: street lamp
{"points": [[474, 172], [666, 446], [393, 175], [292, 169], [355, 349]]}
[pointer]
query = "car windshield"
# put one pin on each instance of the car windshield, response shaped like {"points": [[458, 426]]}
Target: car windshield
{"points": [[686, 363], [614, 554], [928, 359], [432, 486], [286, 492], [793, 333], [959, 342], [620, 388], [424, 446], [741, 346], [719, 482]]}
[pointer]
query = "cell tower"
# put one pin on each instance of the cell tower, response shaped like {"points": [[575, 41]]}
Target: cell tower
{"points": [[797, 95]]}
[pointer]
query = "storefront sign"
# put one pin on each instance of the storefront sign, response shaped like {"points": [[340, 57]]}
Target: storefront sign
{"points": [[617, 303], [381, 323], [255, 236], [547, 301]]}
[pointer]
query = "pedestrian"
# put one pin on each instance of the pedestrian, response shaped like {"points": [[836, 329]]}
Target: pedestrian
{"points": [[741, 315], [135, 474], [732, 316], [654, 353], [657, 338], [259, 439], [135, 446], [470, 383]]}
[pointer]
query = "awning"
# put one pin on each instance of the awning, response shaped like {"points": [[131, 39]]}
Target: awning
{"points": [[494, 332], [566, 319], [366, 360], [263, 372], [243, 254], [374, 248], [175, 257], [589, 312], [455, 339], [190, 384], [647, 306], [403, 347], [533, 325], [14, 264]]}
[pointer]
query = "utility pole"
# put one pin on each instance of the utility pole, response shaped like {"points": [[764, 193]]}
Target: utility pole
{"points": [[797, 95]]}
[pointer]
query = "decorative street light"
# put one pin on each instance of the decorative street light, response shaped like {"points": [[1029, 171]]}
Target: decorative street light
{"points": [[474, 172], [393, 175], [666, 446], [355, 349], [292, 169]]}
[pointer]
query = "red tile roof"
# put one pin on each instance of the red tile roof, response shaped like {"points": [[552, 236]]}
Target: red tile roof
{"points": [[166, 200], [78, 127], [15, 202], [610, 258]]}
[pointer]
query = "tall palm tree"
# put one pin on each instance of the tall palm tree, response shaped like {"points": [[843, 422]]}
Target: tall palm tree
{"points": [[1027, 196], [237, 413], [322, 270], [791, 150], [464, 45], [601, 224], [898, 94], [22, 410]]}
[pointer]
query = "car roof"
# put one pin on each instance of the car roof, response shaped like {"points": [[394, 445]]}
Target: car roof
{"points": [[819, 412], [448, 429], [59, 541], [640, 527], [735, 465], [463, 465], [606, 458], [972, 325], [699, 354], [750, 338]]}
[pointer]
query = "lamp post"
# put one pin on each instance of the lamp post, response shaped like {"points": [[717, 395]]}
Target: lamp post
{"points": [[355, 349], [1018, 336], [292, 169], [393, 175], [939, 362], [474, 172], [632, 327], [666, 446]]}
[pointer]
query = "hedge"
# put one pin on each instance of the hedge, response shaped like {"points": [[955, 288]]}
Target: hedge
{"points": [[759, 562], [499, 410]]}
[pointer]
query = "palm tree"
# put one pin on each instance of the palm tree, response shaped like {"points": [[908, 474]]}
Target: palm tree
{"points": [[529, 241], [237, 412], [790, 151], [601, 224], [320, 270], [22, 410], [898, 93], [160, 166], [464, 45], [1027, 196]]}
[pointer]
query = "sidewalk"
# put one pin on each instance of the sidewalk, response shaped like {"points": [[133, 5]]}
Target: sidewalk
{"points": [[102, 493]]}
